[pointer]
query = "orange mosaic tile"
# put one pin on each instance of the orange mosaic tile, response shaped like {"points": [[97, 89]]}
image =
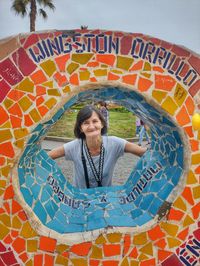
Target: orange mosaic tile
{"points": [[9, 193], [81, 249], [74, 79], [47, 244], [61, 62], [106, 59], [183, 117], [38, 77], [187, 194], [155, 233], [144, 84], [129, 79], [19, 244], [7, 150], [164, 82], [111, 250], [112, 76]]}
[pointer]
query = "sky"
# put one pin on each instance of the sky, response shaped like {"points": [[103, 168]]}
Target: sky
{"points": [[175, 21]]}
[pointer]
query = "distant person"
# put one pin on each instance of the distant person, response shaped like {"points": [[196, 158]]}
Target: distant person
{"points": [[137, 126], [94, 155], [143, 132], [104, 111]]}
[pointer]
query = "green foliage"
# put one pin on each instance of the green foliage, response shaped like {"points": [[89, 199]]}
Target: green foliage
{"points": [[121, 123]]}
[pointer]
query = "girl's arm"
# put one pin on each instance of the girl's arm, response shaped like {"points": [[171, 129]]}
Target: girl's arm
{"points": [[57, 152], [134, 149]]}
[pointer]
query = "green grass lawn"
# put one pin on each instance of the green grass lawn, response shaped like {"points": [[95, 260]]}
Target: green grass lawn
{"points": [[122, 124]]}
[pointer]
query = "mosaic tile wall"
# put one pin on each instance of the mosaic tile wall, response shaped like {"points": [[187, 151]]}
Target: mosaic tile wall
{"points": [[153, 219]]}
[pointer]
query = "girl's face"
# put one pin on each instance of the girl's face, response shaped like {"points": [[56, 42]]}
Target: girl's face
{"points": [[92, 126]]}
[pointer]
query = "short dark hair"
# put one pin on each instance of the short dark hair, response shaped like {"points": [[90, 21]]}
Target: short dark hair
{"points": [[84, 114]]}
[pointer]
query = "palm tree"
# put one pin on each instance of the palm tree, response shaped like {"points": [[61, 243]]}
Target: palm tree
{"points": [[24, 7]]}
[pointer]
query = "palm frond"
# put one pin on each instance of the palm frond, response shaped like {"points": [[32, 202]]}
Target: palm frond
{"points": [[20, 7], [43, 13]]}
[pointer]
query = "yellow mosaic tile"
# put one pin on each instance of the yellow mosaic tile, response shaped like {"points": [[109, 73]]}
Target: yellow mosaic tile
{"points": [[1, 192], [48, 84], [170, 229], [144, 74], [25, 103], [20, 133], [32, 245], [134, 263], [179, 203], [173, 242], [5, 219], [48, 67], [114, 238], [79, 262], [147, 249], [124, 62], [179, 94], [81, 58], [27, 231], [5, 170], [29, 263], [187, 221], [84, 75], [124, 262], [196, 192], [169, 105], [100, 72], [5, 134], [50, 103], [60, 260], [196, 158], [4, 231], [53, 92], [7, 103], [96, 253], [66, 89], [3, 183], [6, 125], [116, 71], [143, 257], [61, 248], [100, 240], [191, 179], [140, 239], [16, 223], [72, 67], [147, 66], [26, 85], [19, 143], [35, 115]]}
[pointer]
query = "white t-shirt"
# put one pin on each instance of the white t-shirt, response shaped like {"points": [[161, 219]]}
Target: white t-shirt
{"points": [[114, 148]]}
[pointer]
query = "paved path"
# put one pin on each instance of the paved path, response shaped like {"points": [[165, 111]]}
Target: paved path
{"points": [[122, 171]]}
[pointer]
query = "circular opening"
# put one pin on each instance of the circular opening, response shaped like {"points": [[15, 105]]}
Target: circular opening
{"points": [[65, 209]]}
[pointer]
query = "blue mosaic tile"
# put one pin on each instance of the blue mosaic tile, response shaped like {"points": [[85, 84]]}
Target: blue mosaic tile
{"points": [[154, 207], [27, 196], [40, 212], [142, 219]]}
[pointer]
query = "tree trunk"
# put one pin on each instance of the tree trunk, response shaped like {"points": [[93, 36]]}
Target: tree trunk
{"points": [[33, 15]]}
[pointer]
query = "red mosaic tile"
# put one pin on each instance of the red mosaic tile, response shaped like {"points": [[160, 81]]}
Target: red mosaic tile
{"points": [[183, 234], [195, 63], [81, 249], [144, 84], [30, 40], [172, 260], [179, 51], [126, 45], [38, 260], [15, 95], [112, 76], [21, 59], [149, 262], [9, 72], [183, 117], [93, 262], [8, 258], [164, 82], [61, 62], [133, 253], [127, 243], [15, 110], [129, 79], [196, 211], [194, 88], [155, 233], [4, 89], [16, 122], [74, 79]]}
